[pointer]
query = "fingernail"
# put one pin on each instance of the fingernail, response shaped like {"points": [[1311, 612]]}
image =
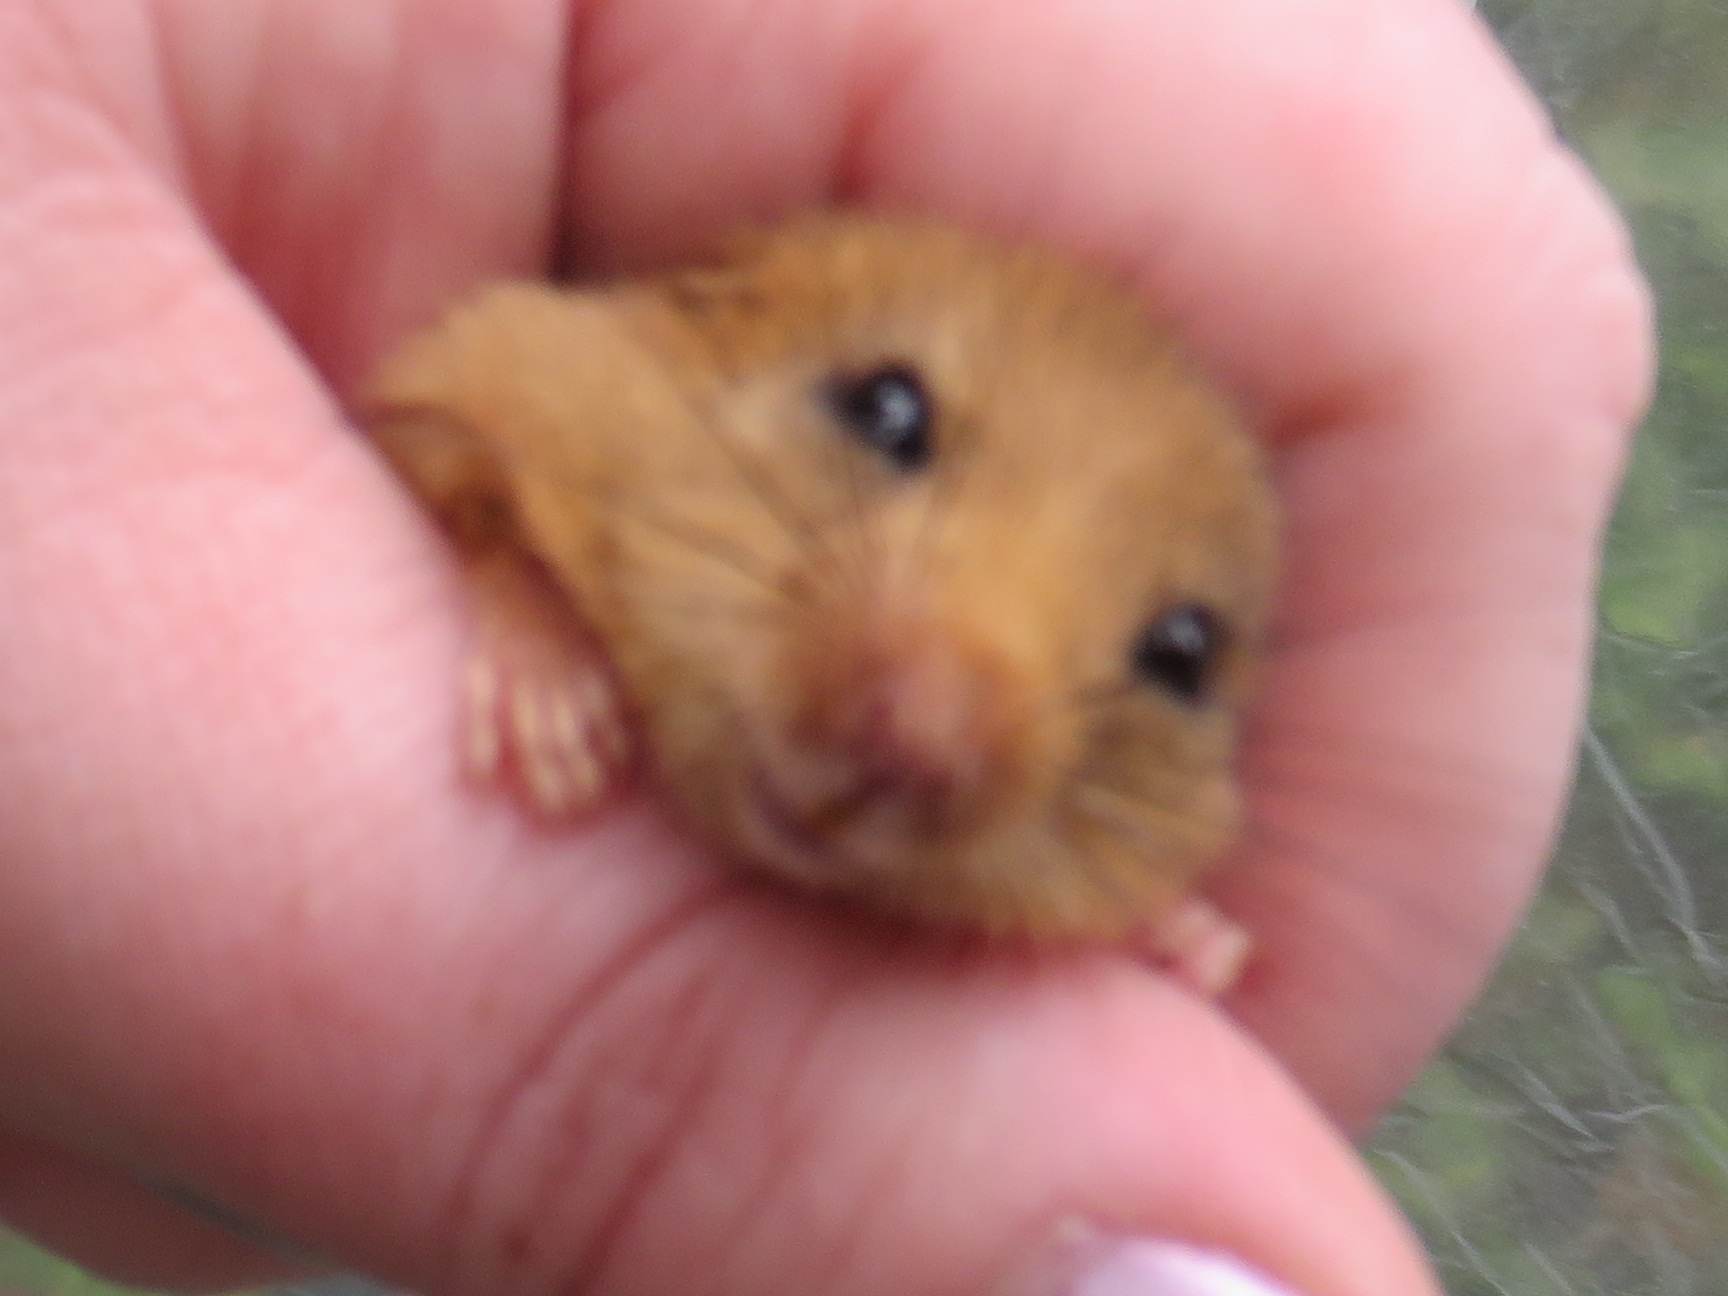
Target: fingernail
{"points": [[1146, 1267]]}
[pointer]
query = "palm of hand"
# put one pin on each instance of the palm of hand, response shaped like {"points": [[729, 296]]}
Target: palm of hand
{"points": [[539, 1052]]}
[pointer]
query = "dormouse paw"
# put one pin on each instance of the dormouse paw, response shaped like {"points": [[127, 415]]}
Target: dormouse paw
{"points": [[1200, 947], [541, 711]]}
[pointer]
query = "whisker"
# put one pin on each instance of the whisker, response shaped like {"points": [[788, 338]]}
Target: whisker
{"points": [[1150, 782], [792, 521], [1132, 812], [797, 527], [950, 464], [1102, 693], [1138, 822], [700, 540], [1107, 875], [714, 608], [1086, 697], [856, 582]]}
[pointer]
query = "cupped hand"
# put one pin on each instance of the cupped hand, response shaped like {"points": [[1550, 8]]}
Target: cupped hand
{"points": [[265, 953]]}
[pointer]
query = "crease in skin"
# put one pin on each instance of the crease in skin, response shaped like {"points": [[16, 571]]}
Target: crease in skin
{"points": [[603, 983], [794, 1135], [694, 1051]]}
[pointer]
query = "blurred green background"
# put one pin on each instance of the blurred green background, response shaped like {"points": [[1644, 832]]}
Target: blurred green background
{"points": [[1573, 1139]]}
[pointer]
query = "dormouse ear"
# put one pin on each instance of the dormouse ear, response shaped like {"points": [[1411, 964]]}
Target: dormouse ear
{"points": [[432, 407], [451, 467]]}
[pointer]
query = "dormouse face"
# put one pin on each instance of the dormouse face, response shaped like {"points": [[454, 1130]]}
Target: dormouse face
{"points": [[973, 575]]}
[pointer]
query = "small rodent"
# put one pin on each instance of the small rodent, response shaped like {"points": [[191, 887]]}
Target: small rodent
{"points": [[914, 565]]}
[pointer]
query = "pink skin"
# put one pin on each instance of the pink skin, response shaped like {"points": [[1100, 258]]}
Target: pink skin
{"points": [[258, 943]]}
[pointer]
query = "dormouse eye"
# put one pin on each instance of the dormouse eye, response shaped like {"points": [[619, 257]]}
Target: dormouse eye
{"points": [[889, 410], [1179, 651]]}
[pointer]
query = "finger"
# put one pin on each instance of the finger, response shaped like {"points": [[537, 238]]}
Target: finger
{"points": [[1252, 165], [765, 1103], [1357, 215], [362, 164]]}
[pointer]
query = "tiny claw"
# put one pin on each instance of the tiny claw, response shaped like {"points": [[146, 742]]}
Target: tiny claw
{"points": [[564, 725], [579, 768], [525, 718], [547, 787], [537, 695], [1202, 948], [483, 746], [605, 725], [585, 773]]}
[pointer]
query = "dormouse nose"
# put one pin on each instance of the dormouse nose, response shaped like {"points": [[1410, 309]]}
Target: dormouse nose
{"points": [[918, 716]]}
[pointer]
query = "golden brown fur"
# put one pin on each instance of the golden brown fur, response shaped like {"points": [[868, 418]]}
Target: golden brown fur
{"points": [[760, 579]]}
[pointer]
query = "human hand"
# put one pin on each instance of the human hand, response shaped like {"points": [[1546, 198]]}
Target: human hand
{"points": [[262, 949]]}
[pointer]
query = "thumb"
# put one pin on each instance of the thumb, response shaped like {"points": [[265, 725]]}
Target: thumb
{"points": [[769, 1108], [741, 1101]]}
